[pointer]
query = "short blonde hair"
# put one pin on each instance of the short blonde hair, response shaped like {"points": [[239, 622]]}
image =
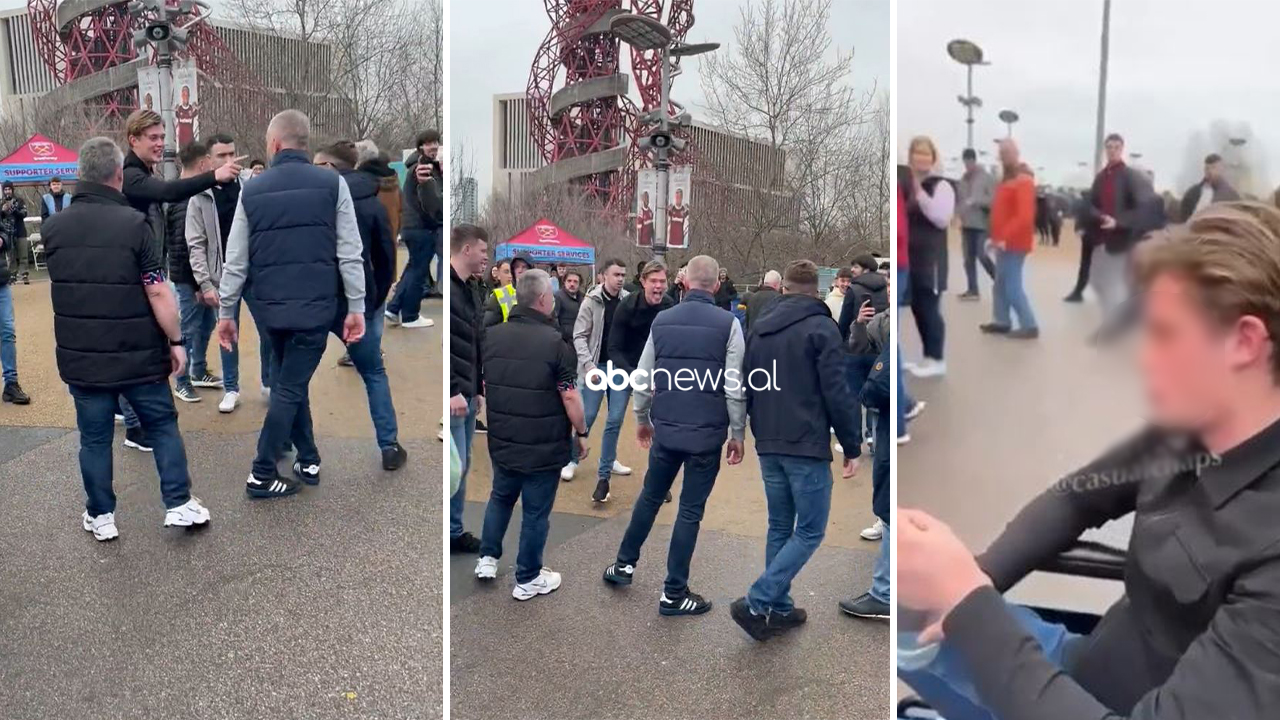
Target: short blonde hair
{"points": [[1230, 254], [922, 142], [139, 120]]}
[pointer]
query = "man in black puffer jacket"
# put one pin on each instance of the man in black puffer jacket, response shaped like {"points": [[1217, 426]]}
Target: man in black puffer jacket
{"points": [[378, 254], [568, 302], [468, 252]]}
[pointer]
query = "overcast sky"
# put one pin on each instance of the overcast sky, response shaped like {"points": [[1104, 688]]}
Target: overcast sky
{"points": [[493, 44], [1176, 67]]}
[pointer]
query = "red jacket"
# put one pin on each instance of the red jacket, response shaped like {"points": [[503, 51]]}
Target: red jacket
{"points": [[1013, 214], [901, 256]]}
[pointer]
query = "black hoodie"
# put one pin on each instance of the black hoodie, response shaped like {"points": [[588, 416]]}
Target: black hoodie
{"points": [[375, 235], [868, 286], [797, 345], [423, 202]]}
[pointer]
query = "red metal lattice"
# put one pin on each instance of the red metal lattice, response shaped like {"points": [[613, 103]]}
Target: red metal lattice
{"points": [[571, 54]]}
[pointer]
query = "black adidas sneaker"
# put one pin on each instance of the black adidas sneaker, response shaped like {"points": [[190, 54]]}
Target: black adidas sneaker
{"points": [[309, 474], [619, 573], [275, 487], [691, 604]]}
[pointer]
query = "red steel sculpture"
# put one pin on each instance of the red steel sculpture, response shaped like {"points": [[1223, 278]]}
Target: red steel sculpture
{"points": [[581, 116]]}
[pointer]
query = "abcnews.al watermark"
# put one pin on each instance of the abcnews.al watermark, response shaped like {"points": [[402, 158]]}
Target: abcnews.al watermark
{"points": [[684, 379]]}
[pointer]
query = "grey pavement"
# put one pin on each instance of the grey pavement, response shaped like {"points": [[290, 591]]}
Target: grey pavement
{"points": [[590, 650], [323, 605]]}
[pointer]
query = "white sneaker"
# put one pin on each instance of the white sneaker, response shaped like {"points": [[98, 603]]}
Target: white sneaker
{"points": [[546, 582], [929, 368], [393, 318], [875, 532], [441, 436], [419, 323], [904, 438], [915, 410], [487, 568], [119, 419], [266, 394], [620, 469], [229, 402], [839, 449], [103, 527], [567, 472], [189, 513]]}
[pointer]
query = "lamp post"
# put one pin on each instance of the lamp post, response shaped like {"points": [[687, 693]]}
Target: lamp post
{"points": [[645, 33], [968, 54], [1008, 117], [1100, 131], [167, 38]]}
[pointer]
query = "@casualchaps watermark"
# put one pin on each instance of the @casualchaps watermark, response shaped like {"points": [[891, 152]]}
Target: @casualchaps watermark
{"points": [[684, 379]]}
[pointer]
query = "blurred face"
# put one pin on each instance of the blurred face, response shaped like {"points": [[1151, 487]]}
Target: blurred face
{"points": [[504, 274], [679, 198], [222, 153], [149, 146], [1213, 171], [1115, 151], [654, 287], [55, 186], [257, 170], [8, 192], [1190, 363], [325, 161], [843, 283], [970, 163], [612, 278], [644, 199], [571, 283], [430, 150], [517, 268], [921, 160], [186, 95]]}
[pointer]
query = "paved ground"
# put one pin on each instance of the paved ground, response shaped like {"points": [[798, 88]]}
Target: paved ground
{"points": [[1011, 417], [589, 651], [324, 605]]}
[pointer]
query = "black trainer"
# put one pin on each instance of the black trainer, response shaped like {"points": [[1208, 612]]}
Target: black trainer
{"points": [[668, 498], [13, 393], [691, 604], [757, 626], [26, 278], [393, 457], [993, 328], [619, 574], [601, 495], [259, 488], [345, 360], [309, 474], [780, 623], [137, 439], [481, 429], [464, 544], [865, 606]]}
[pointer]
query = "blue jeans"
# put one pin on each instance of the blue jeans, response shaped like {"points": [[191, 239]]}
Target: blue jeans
{"points": [[463, 429], [295, 355], [407, 301], [1009, 292], [591, 401], [945, 683], [94, 418], [231, 358], [972, 243], [880, 575], [198, 321], [798, 493], [905, 401], [366, 356], [857, 368], [8, 336], [700, 473], [536, 493]]}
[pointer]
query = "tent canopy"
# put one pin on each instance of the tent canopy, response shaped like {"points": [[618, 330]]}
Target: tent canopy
{"points": [[546, 242], [37, 160]]}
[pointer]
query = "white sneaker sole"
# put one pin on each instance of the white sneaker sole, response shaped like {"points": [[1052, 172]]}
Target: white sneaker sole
{"points": [[520, 594], [486, 573], [623, 472], [188, 398], [207, 386], [871, 537], [136, 446], [99, 537], [184, 522], [227, 410]]}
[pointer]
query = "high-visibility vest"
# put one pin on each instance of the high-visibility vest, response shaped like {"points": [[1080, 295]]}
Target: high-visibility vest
{"points": [[506, 296]]}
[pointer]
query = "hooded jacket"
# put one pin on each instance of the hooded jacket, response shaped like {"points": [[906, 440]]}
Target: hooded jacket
{"points": [[868, 286], [797, 345], [375, 234], [388, 192]]}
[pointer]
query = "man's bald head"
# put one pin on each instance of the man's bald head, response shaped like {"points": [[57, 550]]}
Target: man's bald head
{"points": [[772, 279], [289, 130], [1009, 153], [702, 273]]}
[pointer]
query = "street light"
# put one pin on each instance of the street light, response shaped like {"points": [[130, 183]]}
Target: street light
{"points": [[968, 54], [1100, 130], [645, 33], [1008, 117]]}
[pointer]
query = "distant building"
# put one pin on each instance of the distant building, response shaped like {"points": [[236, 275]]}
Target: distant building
{"points": [[468, 201], [514, 153]]}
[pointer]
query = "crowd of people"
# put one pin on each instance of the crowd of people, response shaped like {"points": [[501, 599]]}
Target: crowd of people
{"points": [[145, 271], [538, 352]]}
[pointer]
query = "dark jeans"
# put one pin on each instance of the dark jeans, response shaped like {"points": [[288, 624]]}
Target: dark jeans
{"points": [[857, 368], [1086, 261], [972, 242], [295, 357], [798, 493], [536, 493], [95, 418], [18, 250], [366, 356], [407, 301], [699, 477], [927, 313]]}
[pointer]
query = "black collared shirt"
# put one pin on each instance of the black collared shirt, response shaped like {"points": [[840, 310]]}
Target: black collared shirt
{"points": [[1196, 635]]}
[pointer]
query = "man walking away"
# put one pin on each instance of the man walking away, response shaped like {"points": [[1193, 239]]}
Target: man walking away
{"points": [[377, 254], [798, 347], [117, 334], [977, 190], [568, 302], [591, 344], [533, 404], [53, 201], [468, 251], [13, 228], [1214, 188], [376, 163], [295, 242], [1013, 217], [423, 222], [764, 297], [13, 392], [198, 317], [684, 424]]}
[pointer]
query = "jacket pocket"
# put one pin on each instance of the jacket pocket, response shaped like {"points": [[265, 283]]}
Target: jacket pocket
{"points": [[1173, 565]]}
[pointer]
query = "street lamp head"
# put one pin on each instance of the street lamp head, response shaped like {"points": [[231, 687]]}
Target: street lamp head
{"points": [[687, 49], [965, 52], [640, 31], [1236, 141], [1008, 116]]}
